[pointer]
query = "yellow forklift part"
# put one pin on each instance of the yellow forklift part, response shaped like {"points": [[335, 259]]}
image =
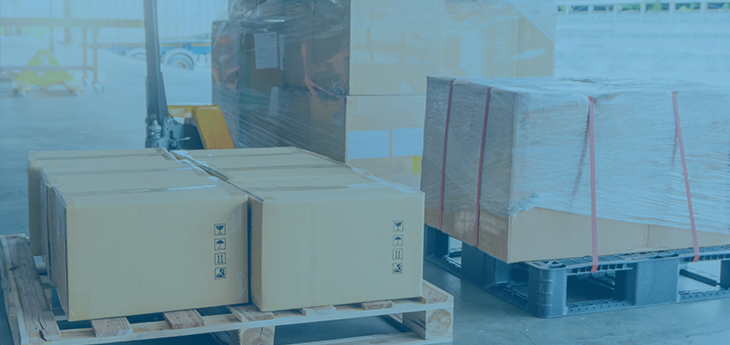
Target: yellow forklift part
{"points": [[41, 72], [210, 122], [43, 78]]}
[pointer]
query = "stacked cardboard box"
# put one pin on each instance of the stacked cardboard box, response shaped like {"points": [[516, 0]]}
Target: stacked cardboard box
{"points": [[347, 79], [322, 233], [81, 161], [535, 178], [129, 235], [131, 243]]}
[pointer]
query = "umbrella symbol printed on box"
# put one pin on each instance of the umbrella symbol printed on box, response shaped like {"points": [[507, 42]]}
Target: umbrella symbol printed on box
{"points": [[397, 240], [220, 244]]}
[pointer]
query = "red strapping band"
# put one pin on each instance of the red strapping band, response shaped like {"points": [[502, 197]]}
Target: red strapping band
{"points": [[479, 174], [443, 159], [680, 140], [594, 218]]}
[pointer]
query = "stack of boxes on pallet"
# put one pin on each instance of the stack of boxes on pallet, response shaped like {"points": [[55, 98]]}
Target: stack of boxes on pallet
{"points": [[347, 79], [136, 232], [518, 186], [322, 233]]}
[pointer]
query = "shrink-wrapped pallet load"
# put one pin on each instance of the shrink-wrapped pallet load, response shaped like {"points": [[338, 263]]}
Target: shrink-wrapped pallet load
{"points": [[532, 188], [347, 78]]}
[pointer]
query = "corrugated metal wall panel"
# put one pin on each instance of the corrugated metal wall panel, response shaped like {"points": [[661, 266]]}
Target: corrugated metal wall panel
{"points": [[177, 18]]}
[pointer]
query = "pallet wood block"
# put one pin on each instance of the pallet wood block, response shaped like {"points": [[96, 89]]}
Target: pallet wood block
{"points": [[31, 304], [431, 296], [431, 324], [250, 312], [429, 318], [377, 305], [252, 336], [324, 310], [111, 327], [184, 319]]}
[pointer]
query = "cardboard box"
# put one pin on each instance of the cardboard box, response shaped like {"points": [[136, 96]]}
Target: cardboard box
{"points": [[95, 174], [139, 243], [381, 134], [541, 234], [225, 164], [245, 67], [96, 159], [368, 47], [535, 189], [347, 236], [356, 244]]}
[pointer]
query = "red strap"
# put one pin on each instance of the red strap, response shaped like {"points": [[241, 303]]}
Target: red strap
{"points": [[686, 178], [594, 218], [443, 159], [479, 174]]}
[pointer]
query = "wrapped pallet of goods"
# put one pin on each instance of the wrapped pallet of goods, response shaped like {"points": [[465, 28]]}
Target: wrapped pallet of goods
{"points": [[508, 165], [347, 78]]}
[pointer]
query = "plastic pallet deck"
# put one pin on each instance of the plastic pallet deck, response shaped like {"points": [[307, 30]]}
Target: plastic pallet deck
{"points": [[565, 287]]}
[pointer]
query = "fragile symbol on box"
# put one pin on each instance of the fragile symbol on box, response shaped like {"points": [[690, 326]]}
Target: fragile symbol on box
{"points": [[398, 268], [220, 229], [397, 240], [220, 258], [398, 254], [220, 273], [219, 244], [398, 226]]}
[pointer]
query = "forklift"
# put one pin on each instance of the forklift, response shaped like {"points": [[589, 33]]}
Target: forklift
{"points": [[176, 127]]}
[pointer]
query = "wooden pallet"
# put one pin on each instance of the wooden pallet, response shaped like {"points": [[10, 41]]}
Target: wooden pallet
{"points": [[27, 293]]}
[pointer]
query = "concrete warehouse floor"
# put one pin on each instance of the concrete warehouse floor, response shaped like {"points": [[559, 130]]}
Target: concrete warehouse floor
{"points": [[54, 120]]}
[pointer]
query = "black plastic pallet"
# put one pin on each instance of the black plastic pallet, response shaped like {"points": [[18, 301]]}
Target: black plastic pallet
{"points": [[565, 287]]}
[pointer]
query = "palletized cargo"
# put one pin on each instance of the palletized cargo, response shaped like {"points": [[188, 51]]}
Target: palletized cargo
{"points": [[518, 186], [323, 233]]}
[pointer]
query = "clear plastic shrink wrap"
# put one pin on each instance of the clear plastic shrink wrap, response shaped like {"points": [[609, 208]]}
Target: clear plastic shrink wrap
{"points": [[347, 78], [536, 153]]}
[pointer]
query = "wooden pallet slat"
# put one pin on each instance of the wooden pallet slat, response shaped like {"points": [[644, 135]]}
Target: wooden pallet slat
{"points": [[184, 319], [111, 327], [32, 306], [323, 310], [429, 318]]}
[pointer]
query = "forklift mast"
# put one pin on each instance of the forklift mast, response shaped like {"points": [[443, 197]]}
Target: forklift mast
{"points": [[157, 114], [187, 127]]}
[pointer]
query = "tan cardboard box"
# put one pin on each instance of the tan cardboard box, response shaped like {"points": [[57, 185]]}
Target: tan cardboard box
{"points": [[381, 134], [88, 175], [368, 47], [354, 237], [95, 158], [122, 250], [541, 234], [227, 163]]}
